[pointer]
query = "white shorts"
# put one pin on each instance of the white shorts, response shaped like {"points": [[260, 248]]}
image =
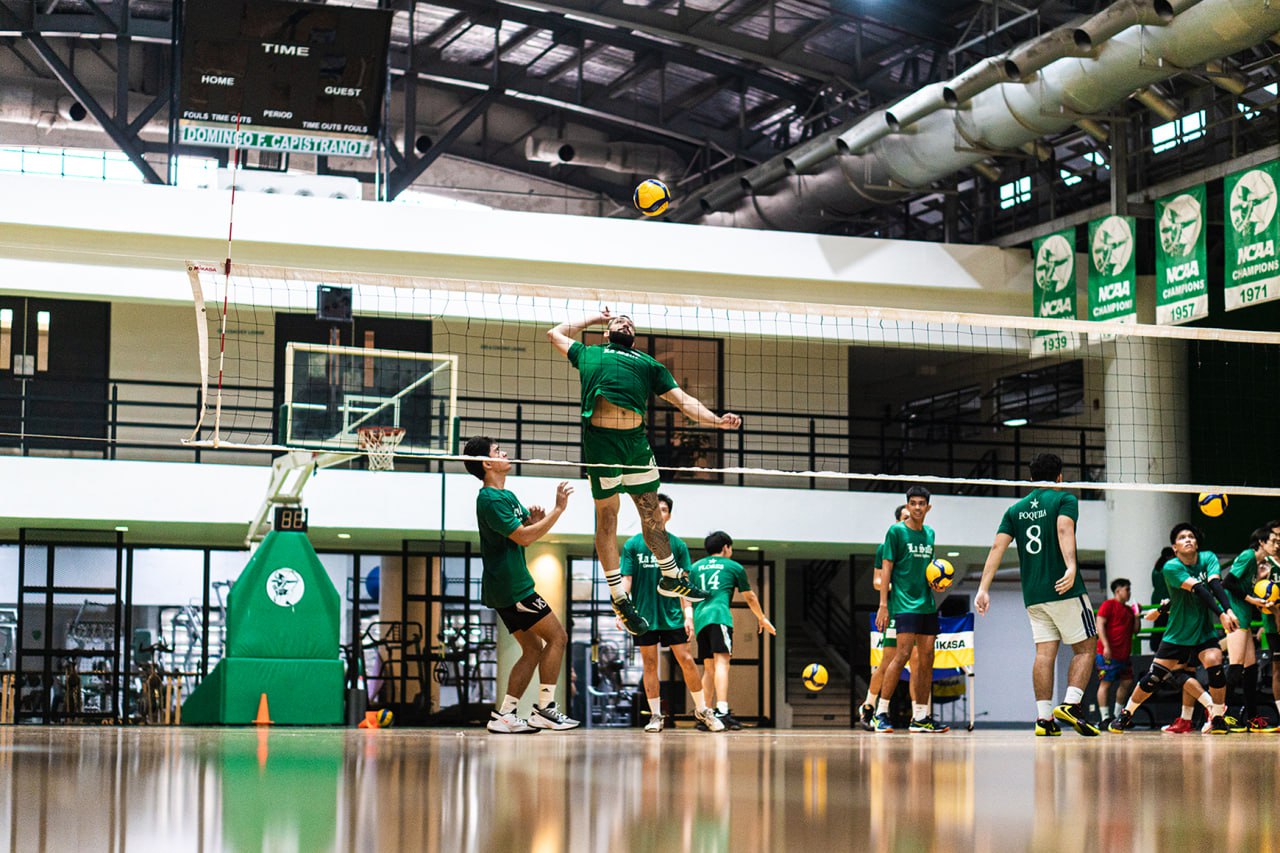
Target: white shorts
{"points": [[1069, 620]]}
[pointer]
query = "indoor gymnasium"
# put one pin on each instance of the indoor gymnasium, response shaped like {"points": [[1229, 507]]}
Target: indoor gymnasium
{"points": [[639, 425]]}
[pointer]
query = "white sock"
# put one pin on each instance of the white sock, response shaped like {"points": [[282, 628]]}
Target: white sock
{"points": [[509, 704], [1117, 709], [655, 706], [614, 579], [882, 707], [1044, 709], [870, 700], [1206, 700], [1278, 706], [722, 707], [1188, 711], [699, 700], [546, 695], [668, 567], [1073, 695], [919, 712], [1105, 711]]}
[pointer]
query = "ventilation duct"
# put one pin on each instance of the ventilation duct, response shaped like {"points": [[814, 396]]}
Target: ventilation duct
{"points": [[882, 166], [50, 108], [625, 157]]}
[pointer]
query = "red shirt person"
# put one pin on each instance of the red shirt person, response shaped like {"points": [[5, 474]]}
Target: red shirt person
{"points": [[1117, 621]]}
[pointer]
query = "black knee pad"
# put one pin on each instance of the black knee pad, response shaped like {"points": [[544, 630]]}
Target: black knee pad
{"points": [[1155, 676], [1217, 676], [1235, 672]]}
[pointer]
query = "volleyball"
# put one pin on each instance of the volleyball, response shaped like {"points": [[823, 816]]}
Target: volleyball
{"points": [[1268, 590], [386, 719], [1212, 505], [814, 676], [940, 574], [651, 197]]}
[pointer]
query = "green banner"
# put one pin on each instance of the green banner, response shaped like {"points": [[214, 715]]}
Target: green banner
{"points": [[275, 139], [1253, 270], [1054, 293], [1112, 281], [1182, 267]]}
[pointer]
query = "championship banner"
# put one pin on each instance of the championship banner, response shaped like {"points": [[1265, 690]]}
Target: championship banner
{"points": [[1054, 293], [1252, 268], [1112, 277], [1182, 267], [952, 649]]}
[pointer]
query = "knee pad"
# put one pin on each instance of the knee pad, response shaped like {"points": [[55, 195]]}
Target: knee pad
{"points": [[1235, 672], [1217, 676], [1155, 676]]}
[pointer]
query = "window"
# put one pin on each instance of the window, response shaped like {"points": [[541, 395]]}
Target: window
{"points": [[1069, 178], [1040, 395], [942, 416], [1250, 113], [1015, 192], [1096, 158], [1176, 132]]}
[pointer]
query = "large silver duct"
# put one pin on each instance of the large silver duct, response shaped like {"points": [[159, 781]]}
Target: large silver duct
{"points": [[47, 105], [625, 157], [997, 105]]}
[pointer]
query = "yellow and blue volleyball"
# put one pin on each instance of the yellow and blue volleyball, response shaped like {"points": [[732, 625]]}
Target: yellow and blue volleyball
{"points": [[386, 719], [1212, 505], [940, 573], [651, 197], [1267, 590], [814, 676]]}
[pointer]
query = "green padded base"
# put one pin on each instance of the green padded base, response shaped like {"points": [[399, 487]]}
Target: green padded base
{"points": [[299, 692]]}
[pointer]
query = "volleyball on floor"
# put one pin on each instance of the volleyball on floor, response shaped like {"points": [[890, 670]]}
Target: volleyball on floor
{"points": [[1267, 590], [940, 574], [814, 676], [385, 719], [1212, 505], [651, 197]]}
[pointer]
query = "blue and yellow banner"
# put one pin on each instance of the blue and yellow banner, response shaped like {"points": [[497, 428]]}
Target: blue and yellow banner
{"points": [[952, 649]]}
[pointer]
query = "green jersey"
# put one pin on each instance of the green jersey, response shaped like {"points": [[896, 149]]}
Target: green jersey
{"points": [[718, 577], [1190, 623], [624, 377], [911, 552], [1239, 583], [1033, 524], [506, 578], [662, 612]]}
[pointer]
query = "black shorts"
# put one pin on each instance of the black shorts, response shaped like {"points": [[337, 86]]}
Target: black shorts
{"points": [[714, 640], [917, 623], [523, 615], [1186, 655], [669, 637], [1273, 644]]}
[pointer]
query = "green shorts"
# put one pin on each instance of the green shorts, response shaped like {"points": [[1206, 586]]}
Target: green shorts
{"points": [[635, 471]]}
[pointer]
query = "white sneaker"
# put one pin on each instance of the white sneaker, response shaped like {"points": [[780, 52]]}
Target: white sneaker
{"points": [[707, 716], [509, 724], [550, 717], [656, 723]]}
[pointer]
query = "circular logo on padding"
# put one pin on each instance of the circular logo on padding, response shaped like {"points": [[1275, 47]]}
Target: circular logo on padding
{"points": [[285, 587]]}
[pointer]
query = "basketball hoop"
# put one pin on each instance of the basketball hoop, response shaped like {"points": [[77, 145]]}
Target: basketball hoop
{"points": [[380, 443]]}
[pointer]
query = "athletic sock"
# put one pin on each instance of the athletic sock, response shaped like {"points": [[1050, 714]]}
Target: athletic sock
{"points": [[509, 704], [1105, 711], [1188, 711], [1073, 696], [722, 708], [1206, 700], [655, 706], [1044, 709], [546, 695], [668, 566], [1278, 707], [699, 700], [919, 712], [614, 579], [1117, 709], [870, 700], [882, 707]]}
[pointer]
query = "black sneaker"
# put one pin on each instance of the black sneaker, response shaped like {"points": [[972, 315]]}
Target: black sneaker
{"points": [[730, 721], [1074, 715], [1121, 724], [631, 618], [928, 725], [868, 714], [1219, 726], [678, 586], [1047, 728]]}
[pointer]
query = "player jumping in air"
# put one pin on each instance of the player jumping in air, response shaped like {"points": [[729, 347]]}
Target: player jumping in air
{"points": [[1044, 526], [506, 527], [617, 382]]}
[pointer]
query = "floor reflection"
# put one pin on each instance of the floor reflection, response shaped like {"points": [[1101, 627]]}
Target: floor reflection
{"points": [[129, 790]]}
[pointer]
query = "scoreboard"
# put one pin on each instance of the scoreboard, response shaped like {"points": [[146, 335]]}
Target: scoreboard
{"points": [[295, 77]]}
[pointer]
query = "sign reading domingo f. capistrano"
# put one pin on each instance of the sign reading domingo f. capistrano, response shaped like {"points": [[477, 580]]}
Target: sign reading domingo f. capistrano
{"points": [[1252, 232], [1182, 283]]}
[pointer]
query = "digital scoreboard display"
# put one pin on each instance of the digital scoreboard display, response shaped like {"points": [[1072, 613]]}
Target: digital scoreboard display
{"points": [[297, 77]]}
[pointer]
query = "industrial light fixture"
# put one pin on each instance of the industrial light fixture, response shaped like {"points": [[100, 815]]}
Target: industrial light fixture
{"points": [[1016, 422], [344, 535]]}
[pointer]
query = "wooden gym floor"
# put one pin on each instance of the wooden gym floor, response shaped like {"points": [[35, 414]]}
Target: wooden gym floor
{"points": [[115, 789]]}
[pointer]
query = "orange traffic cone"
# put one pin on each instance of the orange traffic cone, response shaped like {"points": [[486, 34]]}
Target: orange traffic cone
{"points": [[264, 717], [370, 720]]}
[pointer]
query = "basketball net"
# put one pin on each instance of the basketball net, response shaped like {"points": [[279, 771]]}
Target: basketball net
{"points": [[380, 444]]}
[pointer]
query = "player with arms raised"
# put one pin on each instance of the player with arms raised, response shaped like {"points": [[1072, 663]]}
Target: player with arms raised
{"points": [[1044, 526], [617, 382]]}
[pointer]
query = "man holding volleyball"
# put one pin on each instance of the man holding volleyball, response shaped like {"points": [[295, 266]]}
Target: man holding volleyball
{"points": [[617, 382]]}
